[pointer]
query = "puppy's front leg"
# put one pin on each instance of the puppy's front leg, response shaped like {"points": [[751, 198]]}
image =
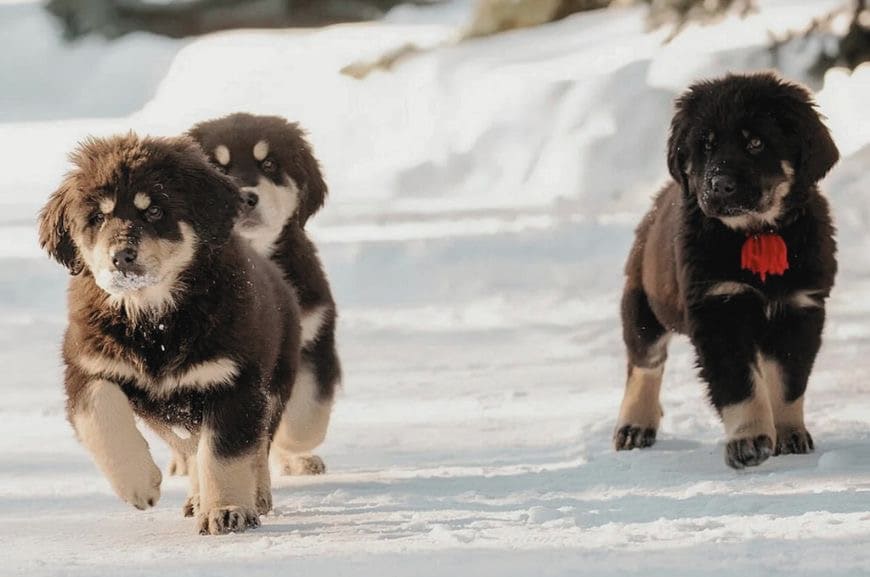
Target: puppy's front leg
{"points": [[104, 423], [726, 330], [229, 462], [788, 354]]}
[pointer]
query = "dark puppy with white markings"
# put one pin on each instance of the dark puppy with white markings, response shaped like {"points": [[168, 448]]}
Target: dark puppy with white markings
{"points": [[282, 187], [174, 319], [738, 252]]}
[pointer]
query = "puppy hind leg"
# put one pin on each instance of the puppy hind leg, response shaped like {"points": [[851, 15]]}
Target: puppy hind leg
{"points": [[303, 426], [191, 505], [646, 341]]}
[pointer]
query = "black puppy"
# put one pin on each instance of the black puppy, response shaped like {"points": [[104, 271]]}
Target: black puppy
{"points": [[282, 187], [737, 252]]}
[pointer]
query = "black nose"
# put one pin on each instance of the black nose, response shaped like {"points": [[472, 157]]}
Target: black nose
{"points": [[723, 186], [124, 259], [250, 199]]}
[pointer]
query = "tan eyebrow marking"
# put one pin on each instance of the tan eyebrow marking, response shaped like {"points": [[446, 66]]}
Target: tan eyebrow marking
{"points": [[222, 154], [107, 205], [261, 150], [142, 200]]}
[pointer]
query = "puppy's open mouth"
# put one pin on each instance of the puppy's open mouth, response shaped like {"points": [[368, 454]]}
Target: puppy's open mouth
{"points": [[119, 283]]}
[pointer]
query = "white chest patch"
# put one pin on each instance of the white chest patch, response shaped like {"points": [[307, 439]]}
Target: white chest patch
{"points": [[312, 321]]}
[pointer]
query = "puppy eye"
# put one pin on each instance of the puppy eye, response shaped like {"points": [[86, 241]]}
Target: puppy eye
{"points": [[153, 213], [97, 218], [755, 145], [269, 165], [709, 142]]}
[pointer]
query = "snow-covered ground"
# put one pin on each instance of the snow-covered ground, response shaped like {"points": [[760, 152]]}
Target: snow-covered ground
{"points": [[482, 202]]}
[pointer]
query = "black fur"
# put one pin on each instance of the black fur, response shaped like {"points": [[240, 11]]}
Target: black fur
{"points": [[668, 282], [293, 251]]}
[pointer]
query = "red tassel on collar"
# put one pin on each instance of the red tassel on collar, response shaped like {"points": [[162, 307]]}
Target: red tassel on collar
{"points": [[764, 254]]}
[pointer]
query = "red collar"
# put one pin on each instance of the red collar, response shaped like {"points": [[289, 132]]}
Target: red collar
{"points": [[764, 254]]}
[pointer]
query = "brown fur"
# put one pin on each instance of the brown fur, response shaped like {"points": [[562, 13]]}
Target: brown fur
{"points": [[209, 347]]}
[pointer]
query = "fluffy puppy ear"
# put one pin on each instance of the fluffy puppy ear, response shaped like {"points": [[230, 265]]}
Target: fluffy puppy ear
{"points": [[214, 200], [313, 188], [818, 153], [54, 235], [678, 147], [220, 204]]}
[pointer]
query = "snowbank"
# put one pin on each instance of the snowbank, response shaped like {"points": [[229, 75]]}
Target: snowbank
{"points": [[482, 202]]}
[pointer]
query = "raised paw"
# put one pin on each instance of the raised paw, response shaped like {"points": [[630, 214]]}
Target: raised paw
{"points": [[138, 484], [748, 452], [177, 466], [229, 519], [794, 442], [302, 465], [630, 437], [191, 506]]}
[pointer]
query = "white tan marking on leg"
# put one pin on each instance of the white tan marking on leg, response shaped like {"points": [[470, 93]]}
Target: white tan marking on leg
{"points": [[786, 415], [754, 416], [226, 485], [640, 403], [306, 417], [106, 426]]}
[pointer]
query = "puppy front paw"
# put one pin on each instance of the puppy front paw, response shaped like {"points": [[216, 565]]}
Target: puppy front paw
{"points": [[191, 506], [627, 437], [138, 484], [302, 465], [748, 452], [228, 519], [794, 442]]}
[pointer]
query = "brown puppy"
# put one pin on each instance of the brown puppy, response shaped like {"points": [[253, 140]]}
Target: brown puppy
{"points": [[174, 319], [737, 252], [282, 187]]}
